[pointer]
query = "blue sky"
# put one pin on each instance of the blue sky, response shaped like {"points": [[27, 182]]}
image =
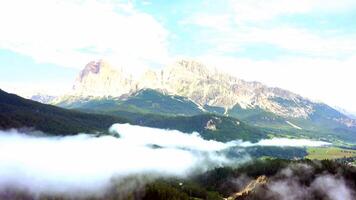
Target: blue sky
{"points": [[307, 46]]}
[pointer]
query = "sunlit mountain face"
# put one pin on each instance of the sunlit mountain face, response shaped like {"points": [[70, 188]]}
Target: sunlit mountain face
{"points": [[188, 88], [151, 100]]}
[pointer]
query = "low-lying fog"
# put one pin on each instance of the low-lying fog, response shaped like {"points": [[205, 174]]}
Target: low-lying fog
{"points": [[87, 163], [286, 142]]}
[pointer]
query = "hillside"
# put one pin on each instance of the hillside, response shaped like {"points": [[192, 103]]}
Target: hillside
{"points": [[142, 101], [153, 108], [209, 126], [17, 112]]}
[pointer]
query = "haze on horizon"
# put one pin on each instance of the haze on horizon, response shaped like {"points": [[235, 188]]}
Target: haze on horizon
{"points": [[306, 46]]}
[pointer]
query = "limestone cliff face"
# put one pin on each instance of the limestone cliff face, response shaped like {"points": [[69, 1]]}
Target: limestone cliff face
{"points": [[98, 78], [195, 81], [192, 79]]}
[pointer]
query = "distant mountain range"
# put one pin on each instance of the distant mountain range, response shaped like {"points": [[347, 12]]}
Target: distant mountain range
{"points": [[43, 98], [189, 88]]}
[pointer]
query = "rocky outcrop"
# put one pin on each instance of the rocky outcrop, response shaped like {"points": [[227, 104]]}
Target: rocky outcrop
{"points": [[260, 181], [210, 125]]}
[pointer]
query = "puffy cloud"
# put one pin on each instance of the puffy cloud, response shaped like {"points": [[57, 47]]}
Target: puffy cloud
{"points": [[87, 164], [174, 138], [334, 188], [71, 33], [131, 156]]}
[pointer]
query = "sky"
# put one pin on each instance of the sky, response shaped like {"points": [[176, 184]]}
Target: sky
{"points": [[306, 46]]}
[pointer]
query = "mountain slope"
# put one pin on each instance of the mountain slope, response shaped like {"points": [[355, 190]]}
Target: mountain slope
{"points": [[189, 88], [142, 101], [192, 80], [17, 112], [209, 126], [204, 86]]}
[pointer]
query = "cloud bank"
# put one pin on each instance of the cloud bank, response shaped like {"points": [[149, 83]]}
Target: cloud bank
{"points": [[286, 142], [87, 164]]}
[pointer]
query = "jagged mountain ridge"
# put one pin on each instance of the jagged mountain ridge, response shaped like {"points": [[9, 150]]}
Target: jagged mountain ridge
{"points": [[188, 88], [192, 80]]}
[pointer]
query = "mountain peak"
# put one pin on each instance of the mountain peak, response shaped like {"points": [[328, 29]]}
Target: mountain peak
{"points": [[191, 66], [94, 67], [99, 78]]}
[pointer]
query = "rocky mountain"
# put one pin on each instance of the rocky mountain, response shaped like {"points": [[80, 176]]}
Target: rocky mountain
{"points": [[99, 79], [192, 80], [195, 81], [188, 88], [210, 87]]}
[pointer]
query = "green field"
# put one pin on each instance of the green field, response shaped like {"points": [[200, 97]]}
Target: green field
{"points": [[321, 153]]}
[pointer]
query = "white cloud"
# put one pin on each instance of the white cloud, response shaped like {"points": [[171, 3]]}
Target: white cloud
{"points": [[234, 38], [299, 40], [85, 164], [286, 142], [333, 187], [219, 22], [260, 10], [71, 33], [243, 23], [164, 138]]}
